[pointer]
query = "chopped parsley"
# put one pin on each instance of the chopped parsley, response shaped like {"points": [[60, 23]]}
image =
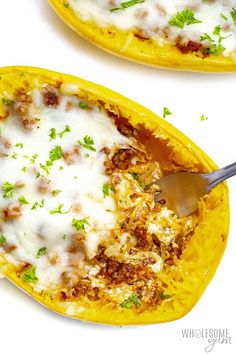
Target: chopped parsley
{"points": [[53, 133], [56, 192], [33, 158], [41, 252], [164, 296], [7, 101], [80, 224], [215, 48], [206, 37], [2, 239], [134, 175], [224, 17], [45, 168], [66, 4], [233, 14], [203, 117], [182, 18], [126, 5], [19, 145], [38, 204], [166, 112], [66, 130], [55, 154], [22, 200], [29, 276], [14, 155], [83, 105], [24, 169], [105, 190], [133, 300], [88, 143], [58, 210], [8, 189]]}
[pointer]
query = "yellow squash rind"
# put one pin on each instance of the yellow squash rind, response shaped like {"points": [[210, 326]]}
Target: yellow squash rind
{"points": [[200, 259], [125, 44]]}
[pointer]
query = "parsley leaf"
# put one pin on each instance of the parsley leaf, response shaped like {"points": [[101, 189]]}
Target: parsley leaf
{"points": [[203, 117], [105, 190], [33, 158], [53, 133], [215, 48], [58, 210], [19, 145], [87, 143], [41, 252], [184, 17], [206, 37], [22, 200], [224, 17], [80, 224], [233, 14], [38, 204], [8, 189], [83, 105], [2, 239], [29, 276], [133, 300], [56, 192], [166, 112], [134, 175], [66, 130], [126, 5], [55, 154], [14, 155], [164, 296], [7, 101]]}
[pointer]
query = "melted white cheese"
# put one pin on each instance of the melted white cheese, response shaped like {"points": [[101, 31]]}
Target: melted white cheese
{"points": [[81, 184], [152, 17]]}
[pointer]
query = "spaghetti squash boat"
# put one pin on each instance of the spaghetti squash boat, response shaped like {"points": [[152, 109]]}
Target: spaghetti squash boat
{"points": [[184, 35], [79, 229]]}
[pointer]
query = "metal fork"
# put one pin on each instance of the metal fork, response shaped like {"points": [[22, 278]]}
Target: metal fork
{"points": [[182, 191]]}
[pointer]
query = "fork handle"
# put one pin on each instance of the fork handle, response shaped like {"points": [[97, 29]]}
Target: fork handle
{"points": [[221, 175]]}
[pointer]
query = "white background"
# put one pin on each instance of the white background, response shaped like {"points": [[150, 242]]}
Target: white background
{"points": [[31, 34]]}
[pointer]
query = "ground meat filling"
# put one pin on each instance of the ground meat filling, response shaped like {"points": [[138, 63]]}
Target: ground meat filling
{"points": [[51, 96], [116, 272], [190, 47], [122, 158], [13, 211], [22, 106]]}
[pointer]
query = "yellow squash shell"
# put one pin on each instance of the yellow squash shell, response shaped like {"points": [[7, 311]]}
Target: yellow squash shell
{"points": [[127, 45], [199, 261]]}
